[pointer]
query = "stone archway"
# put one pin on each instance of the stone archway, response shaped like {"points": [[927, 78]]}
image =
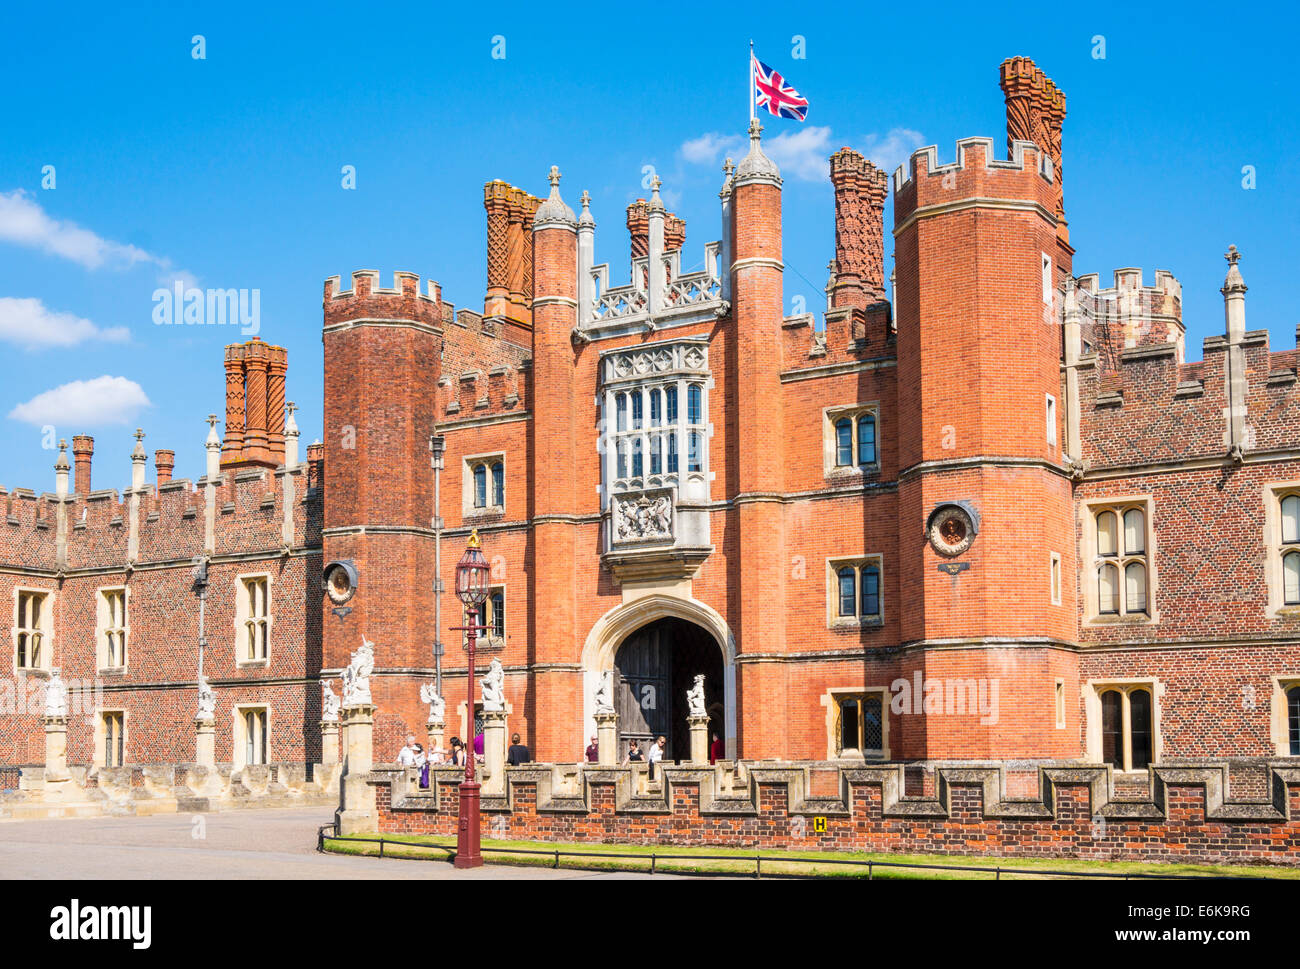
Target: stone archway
{"points": [[613, 628]]}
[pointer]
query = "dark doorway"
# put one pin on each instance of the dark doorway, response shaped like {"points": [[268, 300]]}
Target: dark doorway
{"points": [[655, 667]]}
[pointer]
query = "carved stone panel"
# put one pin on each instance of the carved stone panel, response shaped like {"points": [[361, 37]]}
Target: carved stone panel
{"points": [[646, 516]]}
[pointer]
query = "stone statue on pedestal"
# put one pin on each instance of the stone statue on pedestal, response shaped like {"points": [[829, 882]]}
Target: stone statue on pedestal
{"points": [[494, 687], [207, 701], [695, 699], [437, 705], [356, 675], [56, 695], [604, 696], [329, 702]]}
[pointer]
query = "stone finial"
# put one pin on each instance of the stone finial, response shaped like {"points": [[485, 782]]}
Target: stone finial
{"points": [[291, 434], [585, 218], [756, 165], [1233, 283], [213, 440], [656, 203], [61, 462], [554, 209], [138, 454]]}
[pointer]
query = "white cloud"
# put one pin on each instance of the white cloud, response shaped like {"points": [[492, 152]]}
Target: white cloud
{"points": [[803, 153], [24, 222], [31, 325], [103, 400], [708, 149], [893, 149]]}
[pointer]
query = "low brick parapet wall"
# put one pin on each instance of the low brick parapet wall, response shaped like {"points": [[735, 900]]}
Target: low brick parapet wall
{"points": [[1185, 817]]}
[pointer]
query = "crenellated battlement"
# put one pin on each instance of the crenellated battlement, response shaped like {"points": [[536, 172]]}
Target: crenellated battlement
{"points": [[974, 155], [851, 333], [1127, 314], [481, 393], [367, 300]]}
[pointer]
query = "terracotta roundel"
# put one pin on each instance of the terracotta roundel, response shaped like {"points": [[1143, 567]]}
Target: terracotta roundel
{"points": [[340, 582], [951, 530]]}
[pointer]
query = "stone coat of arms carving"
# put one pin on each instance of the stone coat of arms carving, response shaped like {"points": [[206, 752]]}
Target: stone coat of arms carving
{"points": [[643, 517]]}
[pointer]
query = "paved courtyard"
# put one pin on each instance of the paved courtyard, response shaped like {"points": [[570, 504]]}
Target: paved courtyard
{"points": [[236, 844]]}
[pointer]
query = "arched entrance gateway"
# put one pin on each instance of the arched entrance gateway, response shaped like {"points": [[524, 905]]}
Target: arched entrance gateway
{"points": [[656, 665], [656, 646]]}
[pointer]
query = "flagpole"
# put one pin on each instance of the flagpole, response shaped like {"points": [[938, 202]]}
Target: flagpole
{"points": [[751, 80]]}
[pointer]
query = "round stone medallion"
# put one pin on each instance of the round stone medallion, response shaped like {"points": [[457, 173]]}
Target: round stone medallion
{"points": [[951, 530]]}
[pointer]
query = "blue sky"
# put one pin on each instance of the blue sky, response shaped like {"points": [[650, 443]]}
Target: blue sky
{"points": [[226, 171]]}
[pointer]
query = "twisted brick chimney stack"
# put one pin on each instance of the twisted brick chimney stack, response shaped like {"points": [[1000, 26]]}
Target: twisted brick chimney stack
{"points": [[860, 190], [255, 375], [1035, 112], [638, 227]]}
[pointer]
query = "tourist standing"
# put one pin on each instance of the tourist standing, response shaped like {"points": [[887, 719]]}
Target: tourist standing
{"points": [[518, 754], [656, 754]]}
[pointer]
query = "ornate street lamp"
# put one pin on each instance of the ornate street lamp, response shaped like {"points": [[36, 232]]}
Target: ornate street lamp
{"points": [[471, 589]]}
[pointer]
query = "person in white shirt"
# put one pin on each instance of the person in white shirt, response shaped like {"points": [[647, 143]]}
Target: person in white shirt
{"points": [[656, 754], [406, 757]]}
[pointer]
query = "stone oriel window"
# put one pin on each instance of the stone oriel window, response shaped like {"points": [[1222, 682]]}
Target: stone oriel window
{"points": [[851, 439], [855, 592], [112, 629], [33, 628], [253, 619]]}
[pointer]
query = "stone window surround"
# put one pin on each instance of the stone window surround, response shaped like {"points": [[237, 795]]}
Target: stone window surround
{"points": [[467, 507], [833, 564], [101, 629], [1093, 690], [1279, 727], [1274, 492], [493, 588], [239, 733], [101, 735], [242, 617], [46, 629], [1090, 563], [829, 445], [1054, 577], [1059, 699], [831, 700]]}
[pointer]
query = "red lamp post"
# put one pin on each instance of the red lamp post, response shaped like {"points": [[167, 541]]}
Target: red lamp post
{"points": [[471, 589]]}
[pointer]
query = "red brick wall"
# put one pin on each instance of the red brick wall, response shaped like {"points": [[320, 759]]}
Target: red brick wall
{"points": [[1068, 828]]}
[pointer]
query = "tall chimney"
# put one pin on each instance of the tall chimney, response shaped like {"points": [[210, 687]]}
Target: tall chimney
{"points": [[278, 367], [232, 448], [860, 189], [164, 460], [1036, 112], [83, 446]]}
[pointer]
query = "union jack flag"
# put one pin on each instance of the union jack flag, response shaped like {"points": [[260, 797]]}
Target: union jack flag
{"points": [[773, 93]]}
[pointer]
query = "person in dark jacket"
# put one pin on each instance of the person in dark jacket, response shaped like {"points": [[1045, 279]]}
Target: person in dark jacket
{"points": [[517, 754]]}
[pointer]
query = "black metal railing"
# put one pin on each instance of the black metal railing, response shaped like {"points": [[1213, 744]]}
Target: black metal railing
{"points": [[870, 864]]}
